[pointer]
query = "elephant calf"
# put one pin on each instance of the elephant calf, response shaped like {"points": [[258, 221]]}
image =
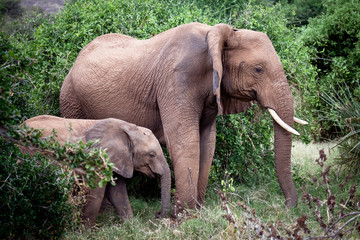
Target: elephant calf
{"points": [[129, 148]]}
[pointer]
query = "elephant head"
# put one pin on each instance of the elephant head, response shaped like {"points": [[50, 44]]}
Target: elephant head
{"points": [[130, 148], [246, 68]]}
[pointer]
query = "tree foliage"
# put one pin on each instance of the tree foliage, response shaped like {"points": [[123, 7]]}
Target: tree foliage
{"points": [[303, 10], [335, 37]]}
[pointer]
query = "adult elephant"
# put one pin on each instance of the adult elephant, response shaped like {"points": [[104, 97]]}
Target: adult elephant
{"points": [[175, 84]]}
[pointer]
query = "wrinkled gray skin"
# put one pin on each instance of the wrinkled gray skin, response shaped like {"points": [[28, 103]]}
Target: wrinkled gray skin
{"points": [[128, 146], [175, 84]]}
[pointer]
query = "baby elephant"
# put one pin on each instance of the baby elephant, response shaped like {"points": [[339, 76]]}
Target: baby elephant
{"points": [[129, 148]]}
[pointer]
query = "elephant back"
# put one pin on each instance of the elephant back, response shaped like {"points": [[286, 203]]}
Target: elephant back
{"points": [[66, 129]]}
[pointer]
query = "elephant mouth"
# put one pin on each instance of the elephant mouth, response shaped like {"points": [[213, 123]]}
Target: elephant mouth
{"points": [[146, 170]]}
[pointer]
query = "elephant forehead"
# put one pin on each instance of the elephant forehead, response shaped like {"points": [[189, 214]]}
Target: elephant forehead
{"points": [[253, 40], [252, 36], [148, 139], [146, 132]]}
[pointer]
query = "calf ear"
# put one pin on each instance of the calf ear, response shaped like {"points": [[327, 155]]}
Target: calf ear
{"points": [[116, 143]]}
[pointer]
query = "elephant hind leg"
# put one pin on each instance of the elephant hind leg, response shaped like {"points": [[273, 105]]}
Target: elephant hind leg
{"points": [[207, 149]]}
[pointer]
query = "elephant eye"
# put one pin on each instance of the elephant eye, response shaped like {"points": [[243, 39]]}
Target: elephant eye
{"points": [[259, 70], [152, 155]]}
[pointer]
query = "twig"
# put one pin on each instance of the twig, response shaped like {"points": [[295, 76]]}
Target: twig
{"points": [[341, 218], [338, 231]]}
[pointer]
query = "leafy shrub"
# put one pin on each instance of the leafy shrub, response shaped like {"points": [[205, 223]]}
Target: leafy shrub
{"points": [[303, 10], [90, 166], [33, 196], [335, 37], [221, 10], [34, 192], [9, 69], [243, 147]]}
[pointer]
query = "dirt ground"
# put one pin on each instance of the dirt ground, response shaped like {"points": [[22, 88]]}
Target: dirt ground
{"points": [[51, 6]]}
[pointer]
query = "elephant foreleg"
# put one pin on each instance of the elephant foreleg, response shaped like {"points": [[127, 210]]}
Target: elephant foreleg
{"points": [[118, 197], [207, 149], [186, 176], [180, 121], [92, 205], [184, 153]]}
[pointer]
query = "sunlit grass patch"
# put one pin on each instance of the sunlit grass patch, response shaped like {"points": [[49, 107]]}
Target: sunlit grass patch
{"points": [[303, 158], [305, 154]]}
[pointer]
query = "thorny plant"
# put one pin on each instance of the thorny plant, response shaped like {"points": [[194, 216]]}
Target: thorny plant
{"points": [[342, 215], [247, 225], [338, 217]]}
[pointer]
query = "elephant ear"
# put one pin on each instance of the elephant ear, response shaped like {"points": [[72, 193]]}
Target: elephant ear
{"points": [[116, 143], [217, 39]]}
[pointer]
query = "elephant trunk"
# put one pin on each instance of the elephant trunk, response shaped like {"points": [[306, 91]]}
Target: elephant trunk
{"points": [[165, 190], [282, 145]]}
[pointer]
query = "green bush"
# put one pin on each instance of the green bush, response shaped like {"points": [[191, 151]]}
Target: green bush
{"points": [[221, 10], [303, 10], [9, 70], [33, 192], [33, 196], [244, 148], [335, 36]]}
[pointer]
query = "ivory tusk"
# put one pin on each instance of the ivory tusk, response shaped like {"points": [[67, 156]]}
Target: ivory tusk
{"points": [[281, 122], [300, 121]]}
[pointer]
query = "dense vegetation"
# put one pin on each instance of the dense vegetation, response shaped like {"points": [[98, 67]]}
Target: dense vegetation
{"points": [[317, 42], [34, 197]]}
